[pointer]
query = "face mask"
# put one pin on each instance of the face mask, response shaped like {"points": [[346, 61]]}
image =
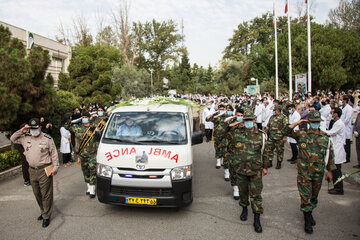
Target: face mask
{"points": [[341, 103], [78, 112], [229, 113], [239, 119], [221, 111], [100, 114], [257, 103], [35, 132], [315, 125], [303, 105], [273, 112], [208, 107], [85, 120], [249, 124], [290, 111], [129, 122]]}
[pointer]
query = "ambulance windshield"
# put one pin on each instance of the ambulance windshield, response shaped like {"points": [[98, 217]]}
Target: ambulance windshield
{"points": [[146, 128]]}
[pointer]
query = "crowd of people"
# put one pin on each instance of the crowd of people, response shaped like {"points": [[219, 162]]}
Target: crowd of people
{"points": [[246, 131]]}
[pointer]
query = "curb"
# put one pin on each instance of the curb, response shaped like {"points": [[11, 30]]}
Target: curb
{"points": [[12, 172]]}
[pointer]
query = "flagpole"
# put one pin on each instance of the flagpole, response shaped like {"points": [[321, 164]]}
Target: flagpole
{"points": [[290, 68], [276, 57], [309, 45]]}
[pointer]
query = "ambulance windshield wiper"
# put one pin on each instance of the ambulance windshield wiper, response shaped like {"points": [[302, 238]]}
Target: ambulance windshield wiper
{"points": [[161, 141], [123, 140]]}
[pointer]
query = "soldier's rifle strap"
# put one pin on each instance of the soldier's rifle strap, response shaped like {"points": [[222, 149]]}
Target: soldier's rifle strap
{"points": [[88, 136]]}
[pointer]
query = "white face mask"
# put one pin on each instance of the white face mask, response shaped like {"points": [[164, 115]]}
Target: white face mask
{"points": [[35, 132]]}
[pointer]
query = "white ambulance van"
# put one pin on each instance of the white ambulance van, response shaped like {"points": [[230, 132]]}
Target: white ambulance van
{"points": [[145, 156]]}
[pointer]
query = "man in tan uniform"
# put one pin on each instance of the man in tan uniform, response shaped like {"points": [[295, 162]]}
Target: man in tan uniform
{"points": [[40, 152]]}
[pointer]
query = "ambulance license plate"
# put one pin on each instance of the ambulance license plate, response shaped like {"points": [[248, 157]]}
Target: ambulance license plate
{"points": [[140, 201]]}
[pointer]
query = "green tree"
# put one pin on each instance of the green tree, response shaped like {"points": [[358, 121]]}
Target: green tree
{"points": [[158, 46], [346, 15], [25, 90], [90, 73], [131, 81]]}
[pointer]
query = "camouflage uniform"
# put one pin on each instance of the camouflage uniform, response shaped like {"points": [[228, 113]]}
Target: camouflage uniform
{"points": [[311, 164], [248, 164], [275, 140], [88, 154], [219, 132]]}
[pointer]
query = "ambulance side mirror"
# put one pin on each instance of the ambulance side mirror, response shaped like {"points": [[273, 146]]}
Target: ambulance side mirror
{"points": [[197, 138]]}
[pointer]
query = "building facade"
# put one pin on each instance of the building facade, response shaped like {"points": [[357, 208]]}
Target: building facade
{"points": [[60, 54]]}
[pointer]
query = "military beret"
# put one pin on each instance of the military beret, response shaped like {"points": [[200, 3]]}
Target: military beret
{"points": [[86, 114], [315, 116], [34, 123]]}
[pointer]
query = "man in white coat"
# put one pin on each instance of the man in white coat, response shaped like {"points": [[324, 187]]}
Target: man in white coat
{"points": [[267, 113], [325, 111], [347, 118], [293, 118], [337, 137], [209, 126], [259, 109]]}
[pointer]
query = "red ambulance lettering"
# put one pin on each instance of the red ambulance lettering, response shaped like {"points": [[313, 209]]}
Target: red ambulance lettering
{"points": [[118, 152], [108, 156]]}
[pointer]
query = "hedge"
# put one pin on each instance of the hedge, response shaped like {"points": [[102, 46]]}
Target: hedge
{"points": [[9, 159]]}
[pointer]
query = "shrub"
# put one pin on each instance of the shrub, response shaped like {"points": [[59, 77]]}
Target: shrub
{"points": [[9, 159]]}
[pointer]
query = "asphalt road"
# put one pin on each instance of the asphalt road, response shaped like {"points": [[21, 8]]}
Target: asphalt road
{"points": [[214, 214]]}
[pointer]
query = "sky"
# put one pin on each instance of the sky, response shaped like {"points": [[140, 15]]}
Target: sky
{"points": [[208, 24]]}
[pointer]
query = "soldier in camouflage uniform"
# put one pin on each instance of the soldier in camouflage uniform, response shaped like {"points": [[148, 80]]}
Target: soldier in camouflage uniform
{"points": [[276, 140], [249, 167], [219, 132], [88, 154], [235, 125], [315, 153]]}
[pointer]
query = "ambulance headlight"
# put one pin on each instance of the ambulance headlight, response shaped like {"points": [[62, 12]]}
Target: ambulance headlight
{"points": [[104, 170], [180, 173]]}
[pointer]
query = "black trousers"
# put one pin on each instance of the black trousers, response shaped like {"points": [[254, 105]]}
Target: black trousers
{"points": [[66, 157], [294, 151], [336, 175], [24, 162], [348, 149], [259, 126], [208, 134], [358, 149]]}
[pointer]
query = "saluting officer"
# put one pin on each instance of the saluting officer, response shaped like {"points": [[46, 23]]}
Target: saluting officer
{"points": [[315, 154], [250, 167], [40, 152]]}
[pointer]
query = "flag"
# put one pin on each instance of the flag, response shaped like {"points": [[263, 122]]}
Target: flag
{"points": [[274, 18], [305, 1], [286, 7]]}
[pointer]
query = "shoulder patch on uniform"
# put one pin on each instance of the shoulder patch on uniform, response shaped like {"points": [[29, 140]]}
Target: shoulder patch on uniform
{"points": [[47, 136]]}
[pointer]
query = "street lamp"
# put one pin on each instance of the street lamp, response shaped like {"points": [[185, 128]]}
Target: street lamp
{"points": [[255, 79], [151, 71]]}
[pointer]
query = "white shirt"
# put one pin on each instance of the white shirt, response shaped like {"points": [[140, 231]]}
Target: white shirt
{"points": [[325, 112], [347, 118], [205, 114], [259, 112], [267, 113], [293, 118], [64, 141], [337, 137]]}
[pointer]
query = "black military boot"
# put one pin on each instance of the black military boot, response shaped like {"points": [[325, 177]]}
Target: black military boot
{"points": [[244, 214], [308, 225], [257, 224], [312, 220], [278, 165]]}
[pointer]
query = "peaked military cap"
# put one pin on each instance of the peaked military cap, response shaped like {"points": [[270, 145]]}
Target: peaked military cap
{"points": [[315, 116], [34, 123], [277, 107]]}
